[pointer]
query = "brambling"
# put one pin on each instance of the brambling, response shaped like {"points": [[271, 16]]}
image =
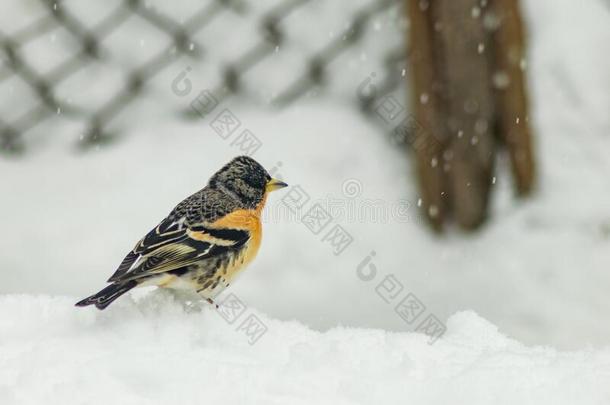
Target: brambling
{"points": [[204, 242]]}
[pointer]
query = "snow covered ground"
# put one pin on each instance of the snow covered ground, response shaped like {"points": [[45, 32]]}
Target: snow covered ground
{"points": [[539, 270], [154, 352]]}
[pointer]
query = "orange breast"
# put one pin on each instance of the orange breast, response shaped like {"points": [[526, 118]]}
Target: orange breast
{"points": [[247, 220]]}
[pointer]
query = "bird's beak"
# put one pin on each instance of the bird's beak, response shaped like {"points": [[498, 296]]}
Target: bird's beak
{"points": [[275, 184]]}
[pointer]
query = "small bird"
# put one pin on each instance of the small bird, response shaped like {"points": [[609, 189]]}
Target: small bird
{"points": [[204, 242]]}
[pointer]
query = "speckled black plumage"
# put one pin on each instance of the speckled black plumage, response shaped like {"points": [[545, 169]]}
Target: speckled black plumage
{"points": [[240, 184]]}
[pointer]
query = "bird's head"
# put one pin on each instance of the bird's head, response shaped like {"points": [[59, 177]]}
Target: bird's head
{"points": [[245, 180]]}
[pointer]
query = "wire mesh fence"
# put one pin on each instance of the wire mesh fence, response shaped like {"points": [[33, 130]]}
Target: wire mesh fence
{"points": [[40, 89]]}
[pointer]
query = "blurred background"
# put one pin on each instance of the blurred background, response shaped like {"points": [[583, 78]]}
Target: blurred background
{"points": [[442, 155]]}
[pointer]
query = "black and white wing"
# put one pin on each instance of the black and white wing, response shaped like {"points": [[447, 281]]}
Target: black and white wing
{"points": [[173, 245]]}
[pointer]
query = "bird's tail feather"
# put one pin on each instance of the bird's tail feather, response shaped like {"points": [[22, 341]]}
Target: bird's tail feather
{"points": [[105, 297]]}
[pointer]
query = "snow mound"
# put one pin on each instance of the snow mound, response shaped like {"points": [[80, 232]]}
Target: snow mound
{"points": [[156, 349]]}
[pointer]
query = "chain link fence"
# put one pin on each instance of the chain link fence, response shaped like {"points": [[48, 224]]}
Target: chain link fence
{"points": [[38, 89]]}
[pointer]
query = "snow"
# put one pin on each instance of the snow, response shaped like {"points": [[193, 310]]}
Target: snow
{"points": [[154, 351], [538, 270]]}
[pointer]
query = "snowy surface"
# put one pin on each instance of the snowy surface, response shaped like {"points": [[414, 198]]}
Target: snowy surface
{"points": [[154, 352]]}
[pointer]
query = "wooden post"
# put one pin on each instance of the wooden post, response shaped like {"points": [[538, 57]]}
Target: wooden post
{"points": [[512, 105], [467, 84], [426, 108]]}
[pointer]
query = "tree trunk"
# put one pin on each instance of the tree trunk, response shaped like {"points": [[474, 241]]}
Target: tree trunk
{"points": [[426, 106], [467, 83], [512, 105]]}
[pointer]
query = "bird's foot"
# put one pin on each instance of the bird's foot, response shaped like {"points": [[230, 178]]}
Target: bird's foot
{"points": [[211, 301]]}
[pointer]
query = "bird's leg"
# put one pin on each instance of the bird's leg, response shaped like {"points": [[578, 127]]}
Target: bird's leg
{"points": [[190, 302], [208, 299], [211, 301]]}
